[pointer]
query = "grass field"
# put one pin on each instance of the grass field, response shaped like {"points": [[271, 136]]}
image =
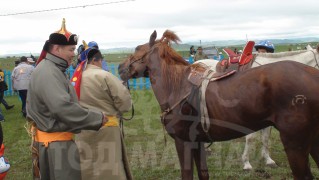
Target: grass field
{"points": [[149, 157]]}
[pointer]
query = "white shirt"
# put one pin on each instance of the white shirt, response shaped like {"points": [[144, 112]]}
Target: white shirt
{"points": [[21, 76]]}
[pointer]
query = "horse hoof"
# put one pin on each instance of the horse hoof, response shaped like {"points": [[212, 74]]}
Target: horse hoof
{"points": [[247, 167], [272, 165]]}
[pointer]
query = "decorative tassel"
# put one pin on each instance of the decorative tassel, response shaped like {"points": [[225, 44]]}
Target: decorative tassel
{"points": [[44, 52]]}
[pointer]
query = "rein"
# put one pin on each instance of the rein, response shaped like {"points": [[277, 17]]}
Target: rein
{"points": [[130, 65], [127, 70], [169, 109], [128, 87], [133, 112]]}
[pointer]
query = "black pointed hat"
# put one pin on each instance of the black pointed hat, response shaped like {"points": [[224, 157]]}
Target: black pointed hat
{"points": [[63, 36], [60, 37]]}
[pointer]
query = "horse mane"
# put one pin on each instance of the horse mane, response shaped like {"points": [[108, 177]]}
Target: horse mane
{"points": [[173, 64]]}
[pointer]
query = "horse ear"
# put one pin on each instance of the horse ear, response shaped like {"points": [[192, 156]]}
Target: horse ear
{"points": [[153, 38]]}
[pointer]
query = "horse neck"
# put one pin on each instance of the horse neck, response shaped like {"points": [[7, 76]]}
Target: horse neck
{"points": [[167, 92]]}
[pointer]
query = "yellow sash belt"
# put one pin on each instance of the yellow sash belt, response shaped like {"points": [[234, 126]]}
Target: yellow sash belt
{"points": [[113, 121], [46, 138]]}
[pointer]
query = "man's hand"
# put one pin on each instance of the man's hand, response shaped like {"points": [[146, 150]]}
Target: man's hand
{"points": [[104, 120], [125, 83]]}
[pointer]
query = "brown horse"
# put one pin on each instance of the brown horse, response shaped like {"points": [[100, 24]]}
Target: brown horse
{"points": [[283, 95]]}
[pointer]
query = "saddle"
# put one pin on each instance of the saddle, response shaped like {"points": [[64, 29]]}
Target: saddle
{"points": [[200, 78], [237, 61], [196, 76]]}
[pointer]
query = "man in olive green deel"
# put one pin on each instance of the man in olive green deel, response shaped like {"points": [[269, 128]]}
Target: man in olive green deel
{"points": [[199, 54], [53, 109]]}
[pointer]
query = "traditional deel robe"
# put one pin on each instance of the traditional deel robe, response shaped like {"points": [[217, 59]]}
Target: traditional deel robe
{"points": [[52, 104], [102, 152]]}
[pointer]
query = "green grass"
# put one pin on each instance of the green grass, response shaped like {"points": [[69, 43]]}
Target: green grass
{"points": [[150, 158], [16, 141]]}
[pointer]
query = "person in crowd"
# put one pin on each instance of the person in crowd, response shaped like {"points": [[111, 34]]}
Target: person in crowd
{"points": [[236, 51], [3, 88], [5, 103], [31, 61], [78, 60], [93, 44], [200, 54], [265, 46], [102, 90], [16, 63], [20, 80], [54, 112], [192, 51], [220, 56]]}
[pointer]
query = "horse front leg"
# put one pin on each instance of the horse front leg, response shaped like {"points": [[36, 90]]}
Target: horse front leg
{"points": [[200, 161], [186, 158]]}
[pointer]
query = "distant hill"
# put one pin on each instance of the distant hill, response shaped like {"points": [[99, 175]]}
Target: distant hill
{"points": [[18, 55], [242, 42], [118, 50]]}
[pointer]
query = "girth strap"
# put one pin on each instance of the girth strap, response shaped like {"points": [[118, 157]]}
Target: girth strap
{"points": [[202, 95]]}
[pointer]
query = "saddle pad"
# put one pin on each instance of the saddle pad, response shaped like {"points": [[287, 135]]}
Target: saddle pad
{"points": [[197, 77]]}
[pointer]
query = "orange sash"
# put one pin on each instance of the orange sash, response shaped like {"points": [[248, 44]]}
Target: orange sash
{"points": [[46, 138]]}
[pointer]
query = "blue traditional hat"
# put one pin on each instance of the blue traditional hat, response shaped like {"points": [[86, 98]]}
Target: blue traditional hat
{"points": [[93, 44]]}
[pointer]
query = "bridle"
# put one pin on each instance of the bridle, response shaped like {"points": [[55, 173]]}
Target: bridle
{"points": [[127, 70]]}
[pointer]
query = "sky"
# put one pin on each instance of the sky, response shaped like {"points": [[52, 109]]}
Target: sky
{"points": [[128, 23]]}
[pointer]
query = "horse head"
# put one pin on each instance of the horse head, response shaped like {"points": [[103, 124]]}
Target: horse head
{"points": [[135, 65]]}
